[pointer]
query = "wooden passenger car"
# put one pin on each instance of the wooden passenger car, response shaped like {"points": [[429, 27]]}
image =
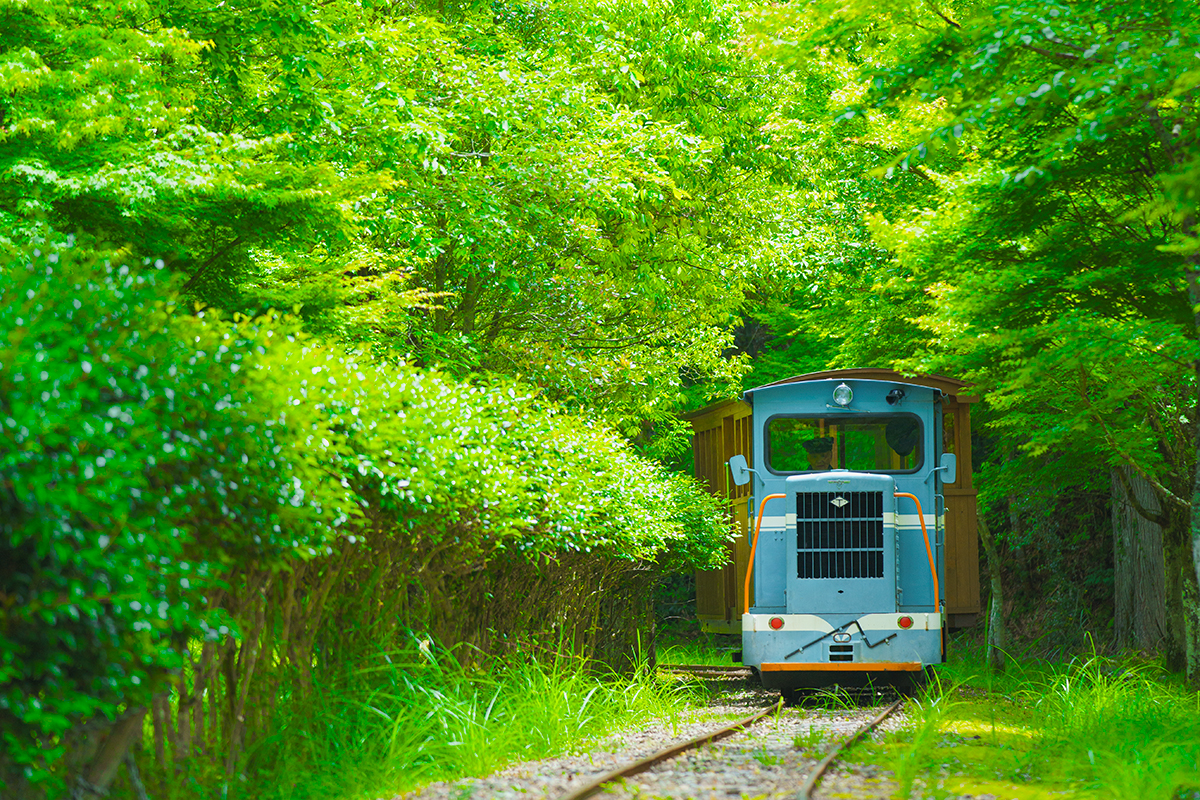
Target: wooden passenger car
{"points": [[723, 430]]}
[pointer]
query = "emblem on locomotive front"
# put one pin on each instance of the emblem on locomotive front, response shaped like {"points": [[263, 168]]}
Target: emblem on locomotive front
{"points": [[839, 501]]}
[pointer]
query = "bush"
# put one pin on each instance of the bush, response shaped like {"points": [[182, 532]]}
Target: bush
{"points": [[134, 472], [171, 479]]}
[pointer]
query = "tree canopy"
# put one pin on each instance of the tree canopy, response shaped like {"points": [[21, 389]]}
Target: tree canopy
{"points": [[364, 310], [1051, 257]]}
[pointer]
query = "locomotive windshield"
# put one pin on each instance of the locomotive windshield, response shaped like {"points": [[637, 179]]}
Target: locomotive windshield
{"points": [[876, 443]]}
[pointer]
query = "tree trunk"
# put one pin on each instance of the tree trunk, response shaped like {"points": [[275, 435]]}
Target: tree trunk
{"points": [[103, 768], [1182, 644], [1191, 617], [468, 305], [997, 630], [1139, 601], [160, 714], [1194, 572], [1193, 582], [1193, 540]]}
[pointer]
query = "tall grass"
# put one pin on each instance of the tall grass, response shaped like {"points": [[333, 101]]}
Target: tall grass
{"points": [[1091, 727], [701, 652], [916, 752], [400, 719], [1125, 729]]}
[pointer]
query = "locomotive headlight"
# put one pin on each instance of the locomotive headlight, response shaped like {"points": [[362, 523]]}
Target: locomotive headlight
{"points": [[843, 394]]}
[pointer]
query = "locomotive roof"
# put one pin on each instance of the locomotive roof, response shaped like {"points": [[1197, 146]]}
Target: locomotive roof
{"points": [[946, 385]]}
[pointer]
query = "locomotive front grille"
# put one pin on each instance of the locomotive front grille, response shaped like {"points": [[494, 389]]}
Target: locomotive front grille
{"points": [[839, 534]]}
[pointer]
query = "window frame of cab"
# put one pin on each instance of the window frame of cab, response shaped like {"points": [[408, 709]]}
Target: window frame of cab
{"points": [[766, 433]]}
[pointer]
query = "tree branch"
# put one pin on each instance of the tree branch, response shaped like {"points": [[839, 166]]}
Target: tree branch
{"points": [[1159, 518], [933, 7], [1164, 491], [1050, 54], [204, 268]]}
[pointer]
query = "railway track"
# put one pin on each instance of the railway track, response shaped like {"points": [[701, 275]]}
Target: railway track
{"points": [[666, 754], [856, 695], [805, 788], [810, 783], [707, 670]]}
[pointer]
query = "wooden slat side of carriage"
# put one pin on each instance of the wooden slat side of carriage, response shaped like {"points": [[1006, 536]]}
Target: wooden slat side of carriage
{"points": [[723, 430]]}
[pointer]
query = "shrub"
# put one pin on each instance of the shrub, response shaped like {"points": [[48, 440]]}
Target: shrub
{"points": [[179, 483], [133, 472]]}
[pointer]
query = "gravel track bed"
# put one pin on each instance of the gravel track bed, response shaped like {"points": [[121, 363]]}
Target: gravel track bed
{"points": [[761, 762]]}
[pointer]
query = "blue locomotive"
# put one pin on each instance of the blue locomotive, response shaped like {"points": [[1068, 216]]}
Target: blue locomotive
{"points": [[851, 490]]}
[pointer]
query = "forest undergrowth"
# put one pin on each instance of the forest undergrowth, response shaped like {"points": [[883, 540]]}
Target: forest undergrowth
{"points": [[388, 721], [1091, 726]]}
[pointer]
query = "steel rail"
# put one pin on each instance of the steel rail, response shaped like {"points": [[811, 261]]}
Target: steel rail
{"points": [[668, 753], [810, 783], [702, 669]]}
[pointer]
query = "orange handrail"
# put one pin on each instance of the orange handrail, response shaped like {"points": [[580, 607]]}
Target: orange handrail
{"points": [[937, 600], [754, 547]]}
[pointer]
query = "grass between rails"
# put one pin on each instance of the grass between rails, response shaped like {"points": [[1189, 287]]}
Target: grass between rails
{"points": [[398, 720], [1093, 727]]}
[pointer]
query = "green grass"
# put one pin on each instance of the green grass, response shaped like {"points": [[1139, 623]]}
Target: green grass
{"points": [[812, 741], [1093, 727], [765, 757], [398, 720], [698, 652]]}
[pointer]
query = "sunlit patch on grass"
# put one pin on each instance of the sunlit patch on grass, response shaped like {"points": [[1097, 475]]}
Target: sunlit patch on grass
{"points": [[1090, 728], [1011, 791], [982, 727]]}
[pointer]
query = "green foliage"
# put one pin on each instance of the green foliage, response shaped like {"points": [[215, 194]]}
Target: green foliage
{"points": [[1050, 256], [133, 470], [574, 194], [811, 741], [704, 652], [781, 347], [829, 298], [1045, 267], [1090, 727], [1044, 248], [915, 754], [576, 223], [108, 130], [146, 466], [479, 469]]}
